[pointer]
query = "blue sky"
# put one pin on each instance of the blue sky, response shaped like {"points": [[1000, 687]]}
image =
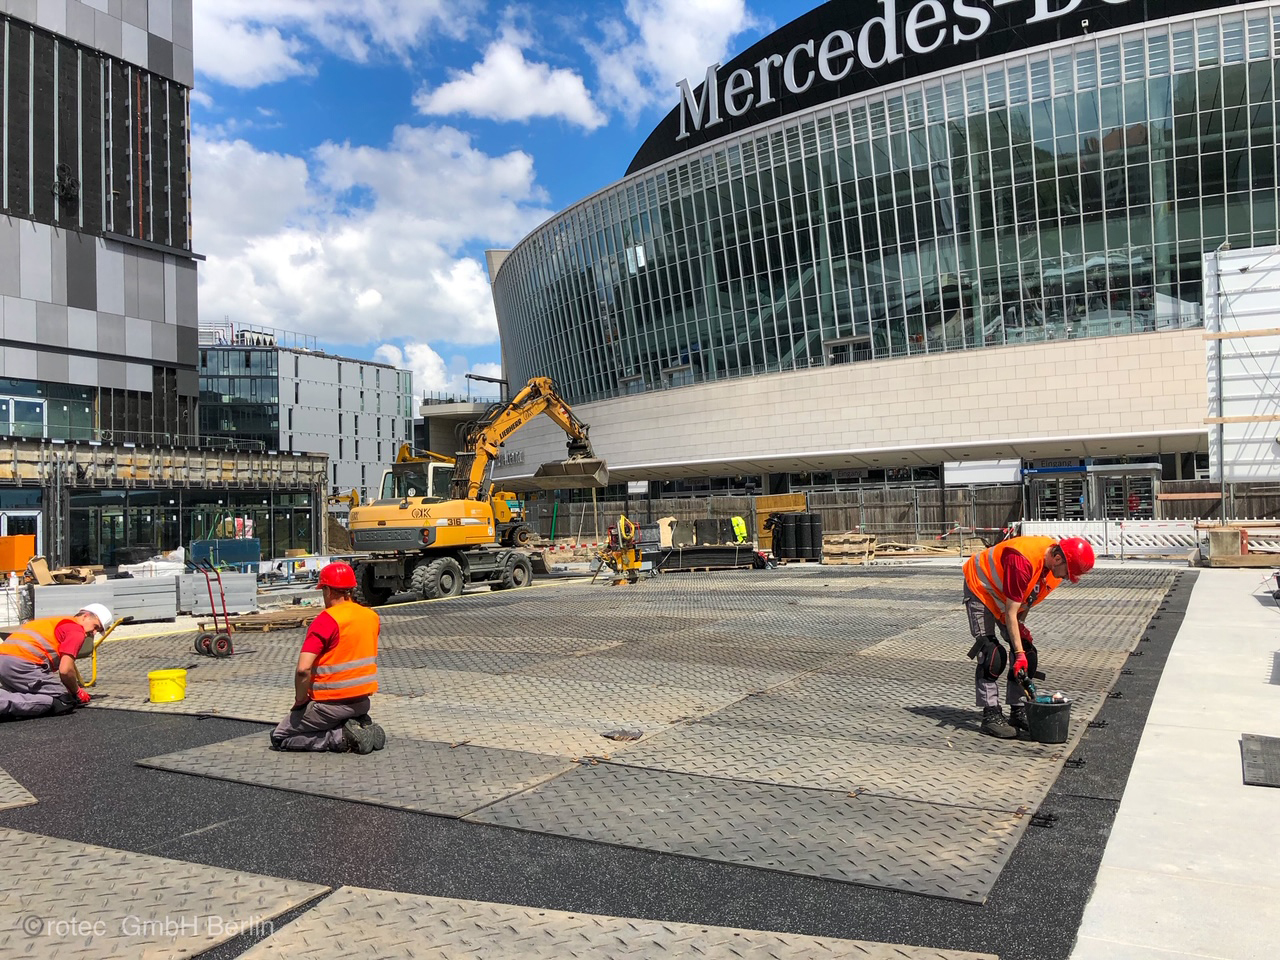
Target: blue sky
{"points": [[353, 159]]}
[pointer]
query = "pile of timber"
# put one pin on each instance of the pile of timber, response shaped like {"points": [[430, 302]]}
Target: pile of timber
{"points": [[271, 620], [864, 548], [848, 548]]}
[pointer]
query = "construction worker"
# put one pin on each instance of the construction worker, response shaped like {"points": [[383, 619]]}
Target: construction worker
{"points": [[1000, 585], [337, 673], [38, 675]]}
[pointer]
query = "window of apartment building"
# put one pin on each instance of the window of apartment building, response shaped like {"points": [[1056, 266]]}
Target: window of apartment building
{"points": [[339, 373], [297, 392], [290, 418], [335, 476], [295, 367], [357, 448], [379, 426], [362, 398], [339, 448], [377, 378]]}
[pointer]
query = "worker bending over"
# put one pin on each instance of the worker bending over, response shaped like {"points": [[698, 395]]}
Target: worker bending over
{"points": [[337, 674], [1000, 585], [38, 675]]}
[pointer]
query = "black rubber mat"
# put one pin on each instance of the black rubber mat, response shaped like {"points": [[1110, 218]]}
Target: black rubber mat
{"points": [[1261, 760]]}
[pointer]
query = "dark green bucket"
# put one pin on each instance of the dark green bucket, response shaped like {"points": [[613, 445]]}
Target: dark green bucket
{"points": [[1048, 720]]}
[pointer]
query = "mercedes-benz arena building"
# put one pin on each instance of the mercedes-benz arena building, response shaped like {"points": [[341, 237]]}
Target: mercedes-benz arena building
{"points": [[904, 233]]}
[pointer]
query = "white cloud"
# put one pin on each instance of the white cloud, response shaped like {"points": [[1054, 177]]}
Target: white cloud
{"points": [[433, 375], [248, 43], [663, 42], [506, 86], [358, 245]]}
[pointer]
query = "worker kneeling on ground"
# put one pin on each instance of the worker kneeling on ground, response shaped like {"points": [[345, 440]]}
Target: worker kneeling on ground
{"points": [[1000, 585], [38, 675], [337, 674]]}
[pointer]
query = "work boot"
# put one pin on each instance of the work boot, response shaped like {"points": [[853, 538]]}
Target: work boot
{"points": [[359, 739], [379, 735], [1018, 720], [995, 725]]}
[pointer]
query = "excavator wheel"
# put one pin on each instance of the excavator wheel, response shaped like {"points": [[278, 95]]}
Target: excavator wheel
{"points": [[521, 536], [441, 577], [365, 593], [518, 572]]}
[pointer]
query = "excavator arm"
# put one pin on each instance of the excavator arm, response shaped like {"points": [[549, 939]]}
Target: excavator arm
{"points": [[483, 440]]}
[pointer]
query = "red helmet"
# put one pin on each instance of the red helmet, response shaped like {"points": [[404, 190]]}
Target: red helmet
{"points": [[1079, 554], [338, 575]]}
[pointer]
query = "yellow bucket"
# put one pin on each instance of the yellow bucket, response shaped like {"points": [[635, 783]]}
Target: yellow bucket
{"points": [[167, 685]]}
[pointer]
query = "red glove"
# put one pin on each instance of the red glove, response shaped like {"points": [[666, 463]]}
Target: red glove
{"points": [[1025, 634], [82, 695], [1019, 665]]}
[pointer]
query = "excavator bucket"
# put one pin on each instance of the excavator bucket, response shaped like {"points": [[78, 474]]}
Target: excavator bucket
{"points": [[579, 474]]}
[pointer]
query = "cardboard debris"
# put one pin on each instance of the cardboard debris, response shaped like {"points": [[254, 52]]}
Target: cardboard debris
{"points": [[38, 572]]}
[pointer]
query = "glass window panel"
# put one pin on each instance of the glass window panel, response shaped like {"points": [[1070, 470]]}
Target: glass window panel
{"points": [[1209, 48], [1184, 49]]}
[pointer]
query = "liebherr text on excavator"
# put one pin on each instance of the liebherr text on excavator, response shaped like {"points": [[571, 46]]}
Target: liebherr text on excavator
{"points": [[432, 542]]}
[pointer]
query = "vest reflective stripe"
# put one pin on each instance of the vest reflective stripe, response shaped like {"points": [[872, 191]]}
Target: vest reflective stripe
{"points": [[983, 572], [350, 668], [35, 641]]}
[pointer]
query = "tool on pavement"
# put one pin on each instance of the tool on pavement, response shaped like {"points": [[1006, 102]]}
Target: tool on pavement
{"points": [[93, 654]]}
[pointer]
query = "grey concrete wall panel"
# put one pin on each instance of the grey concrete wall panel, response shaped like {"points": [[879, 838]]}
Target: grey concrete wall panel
{"points": [[52, 15], [160, 18], [81, 23], [99, 5], [137, 338], [82, 329], [170, 291], [107, 34], [116, 8], [189, 347], [22, 9], [10, 257], [51, 367], [112, 373], [188, 381], [159, 55], [134, 12], [241, 590], [133, 44], [82, 370], [58, 267], [20, 320], [137, 376], [164, 342], [182, 24], [35, 267], [188, 298], [110, 277], [51, 324], [184, 66], [130, 283], [143, 598], [19, 363], [111, 336], [150, 286], [82, 271]]}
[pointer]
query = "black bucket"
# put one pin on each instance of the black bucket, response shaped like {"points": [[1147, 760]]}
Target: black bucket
{"points": [[1048, 721]]}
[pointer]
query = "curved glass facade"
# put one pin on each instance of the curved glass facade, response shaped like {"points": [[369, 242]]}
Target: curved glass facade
{"points": [[1063, 192]]}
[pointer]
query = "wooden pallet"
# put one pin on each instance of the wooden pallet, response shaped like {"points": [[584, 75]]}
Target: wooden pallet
{"points": [[263, 622]]}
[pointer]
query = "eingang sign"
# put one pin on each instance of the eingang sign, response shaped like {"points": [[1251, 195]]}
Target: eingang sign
{"points": [[851, 46]]}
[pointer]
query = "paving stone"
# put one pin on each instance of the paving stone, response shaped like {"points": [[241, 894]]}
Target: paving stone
{"points": [[12, 793], [409, 774], [942, 851], [72, 900], [354, 922]]}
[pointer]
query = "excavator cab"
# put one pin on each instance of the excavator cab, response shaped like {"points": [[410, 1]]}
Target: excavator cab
{"points": [[417, 480]]}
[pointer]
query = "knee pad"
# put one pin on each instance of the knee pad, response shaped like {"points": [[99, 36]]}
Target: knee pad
{"points": [[1033, 661], [992, 659]]}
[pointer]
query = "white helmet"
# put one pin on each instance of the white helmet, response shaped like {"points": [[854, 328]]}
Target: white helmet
{"points": [[100, 611]]}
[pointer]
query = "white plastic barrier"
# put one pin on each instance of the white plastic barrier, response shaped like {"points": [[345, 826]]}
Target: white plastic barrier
{"points": [[1123, 538]]}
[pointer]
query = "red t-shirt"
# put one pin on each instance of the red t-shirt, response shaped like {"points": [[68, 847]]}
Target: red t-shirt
{"points": [[322, 635], [70, 638], [1016, 570]]}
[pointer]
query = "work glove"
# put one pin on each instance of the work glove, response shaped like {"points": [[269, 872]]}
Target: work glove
{"points": [[82, 696], [1020, 666]]}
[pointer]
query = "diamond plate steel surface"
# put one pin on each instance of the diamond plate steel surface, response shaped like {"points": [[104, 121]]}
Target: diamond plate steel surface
{"points": [[408, 774], [1261, 760], [909, 773], [355, 922], [953, 852], [127, 905], [12, 793], [236, 700], [1064, 668]]}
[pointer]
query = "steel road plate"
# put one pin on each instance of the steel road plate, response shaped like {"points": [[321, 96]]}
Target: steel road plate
{"points": [[738, 681], [235, 700], [355, 922], [929, 775], [408, 774], [12, 793], [1261, 760], [942, 851], [73, 900]]}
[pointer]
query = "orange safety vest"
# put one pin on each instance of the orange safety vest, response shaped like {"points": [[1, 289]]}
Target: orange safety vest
{"points": [[36, 641], [984, 572], [350, 668]]}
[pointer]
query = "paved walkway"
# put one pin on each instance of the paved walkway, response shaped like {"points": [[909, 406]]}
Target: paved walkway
{"points": [[1190, 869]]}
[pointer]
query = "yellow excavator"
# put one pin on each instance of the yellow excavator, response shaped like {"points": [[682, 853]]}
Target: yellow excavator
{"points": [[433, 530]]}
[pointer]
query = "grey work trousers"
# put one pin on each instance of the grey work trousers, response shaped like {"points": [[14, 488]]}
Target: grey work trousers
{"points": [[982, 623], [317, 726], [31, 689]]}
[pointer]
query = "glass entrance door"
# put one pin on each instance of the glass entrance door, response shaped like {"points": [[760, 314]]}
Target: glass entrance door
{"points": [[15, 523]]}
